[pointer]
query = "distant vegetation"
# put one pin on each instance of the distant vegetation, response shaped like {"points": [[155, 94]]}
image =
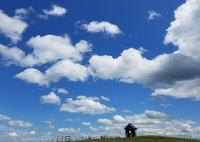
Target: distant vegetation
{"points": [[143, 139]]}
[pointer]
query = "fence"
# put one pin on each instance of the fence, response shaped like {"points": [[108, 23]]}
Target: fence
{"points": [[62, 139]]}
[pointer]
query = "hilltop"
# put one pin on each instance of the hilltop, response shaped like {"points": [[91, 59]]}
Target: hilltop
{"points": [[144, 139]]}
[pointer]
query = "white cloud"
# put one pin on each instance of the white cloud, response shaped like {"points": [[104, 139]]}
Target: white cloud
{"points": [[158, 73], [105, 98], [10, 31], [62, 91], [61, 69], [184, 30], [55, 11], [180, 89], [105, 121], [46, 49], [127, 68], [32, 132], [92, 128], [86, 123], [19, 123], [127, 111], [4, 118], [32, 75], [153, 15], [86, 105], [150, 122], [119, 118], [51, 98], [21, 12], [104, 27], [69, 130], [13, 134]]}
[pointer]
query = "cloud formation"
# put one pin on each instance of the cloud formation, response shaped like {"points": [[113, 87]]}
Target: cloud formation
{"points": [[86, 105], [51, 98], [153, 15], [150, 122], [55, 11], [10, 31], [12, 122], [46, 49], [184, 30], [62, 69], [103, 27]]}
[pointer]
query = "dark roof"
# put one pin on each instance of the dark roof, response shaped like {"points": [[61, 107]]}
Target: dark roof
{"points": [[130, 127]]}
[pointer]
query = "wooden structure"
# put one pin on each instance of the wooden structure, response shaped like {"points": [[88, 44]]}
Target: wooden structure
{"points": [[130, 130], [62, 139]]}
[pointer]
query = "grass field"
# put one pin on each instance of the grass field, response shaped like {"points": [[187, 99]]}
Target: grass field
{"points": [[143, 139]]}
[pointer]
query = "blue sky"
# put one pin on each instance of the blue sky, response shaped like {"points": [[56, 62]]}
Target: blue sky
{"points": [[86, 68]]}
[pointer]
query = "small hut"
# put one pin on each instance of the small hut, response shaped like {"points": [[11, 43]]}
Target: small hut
{"points": [[130, 130]]}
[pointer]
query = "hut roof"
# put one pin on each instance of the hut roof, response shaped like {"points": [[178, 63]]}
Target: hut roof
{"points": [[130, 127]]}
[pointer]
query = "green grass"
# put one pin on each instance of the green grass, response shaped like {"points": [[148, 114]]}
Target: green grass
{"points": [[143, 139]]}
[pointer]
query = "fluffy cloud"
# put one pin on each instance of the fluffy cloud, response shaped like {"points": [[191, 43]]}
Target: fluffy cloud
{"points": [[104, 27], [61, 69], [150, 122], [69, 130], [48, 48], [163, 72], [86, 105], [10, 31], [55, 11], [51, 98], [12, 122], [86, 123], [180, 89], [105, 121], [167, 74], [153, 15], [13, 134], [184, 30], [119, 118], [62, 91], [4, 118]]}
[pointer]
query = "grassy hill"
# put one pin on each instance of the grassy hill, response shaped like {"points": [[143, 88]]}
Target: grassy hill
{"points": [[143, 139]]}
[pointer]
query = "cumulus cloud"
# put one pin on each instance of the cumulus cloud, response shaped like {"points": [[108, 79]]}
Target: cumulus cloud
{"points": [[61, 69], [162, 72], [55, 11], [150, 122], [181, 89], [12, 122], [46, 49], [176, 74], [119, 118], [10, 31], [153, 15], [51, 98], [86, 105], [62, 91], [104, 27], [105, 121], [184, 30], [69, 130]]}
